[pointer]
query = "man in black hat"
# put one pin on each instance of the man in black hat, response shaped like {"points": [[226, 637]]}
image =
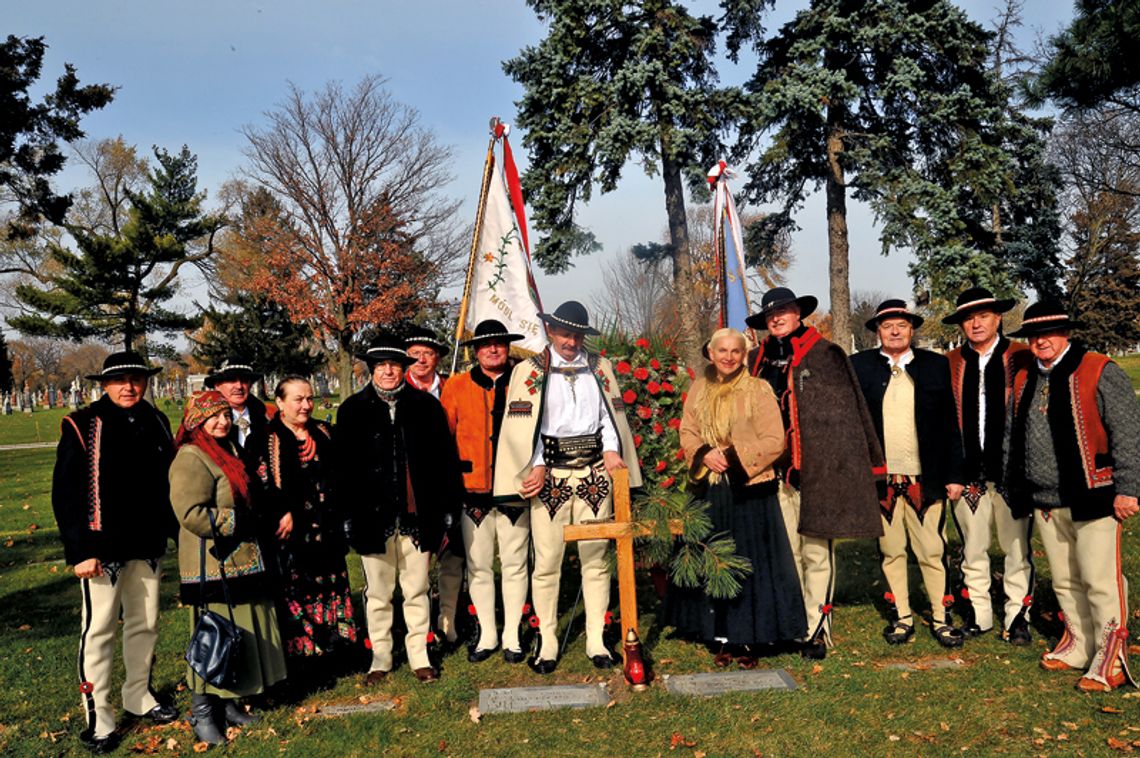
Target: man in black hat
{"points": [[475, 402], [833, 456], [399, 483], [112, 504], [1074, 461], [565, 430], [233, 379], [981, 377], [908, 393]]}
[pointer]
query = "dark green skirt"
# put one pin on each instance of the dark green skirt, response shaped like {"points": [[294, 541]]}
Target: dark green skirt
{"points": [[261, 662]]}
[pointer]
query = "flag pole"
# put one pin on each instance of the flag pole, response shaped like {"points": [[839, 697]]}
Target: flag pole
{"points": [[721, 262], [488, 164]]}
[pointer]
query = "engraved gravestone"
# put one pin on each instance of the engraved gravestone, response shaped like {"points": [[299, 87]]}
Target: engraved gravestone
{"points": [[350, 709], [523, 699], [701, 685]]}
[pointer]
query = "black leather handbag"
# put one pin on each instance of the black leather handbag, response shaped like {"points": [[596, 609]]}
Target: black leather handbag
{"points": [[215, 646]]}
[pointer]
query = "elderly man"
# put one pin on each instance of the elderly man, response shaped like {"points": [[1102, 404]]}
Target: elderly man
{"points": [[112, 503], [233, 379], [475, 402], [1074, 461], [428, 350], [399, 483], [833, 458], [981, 376], [564, 432], [908, 392]]}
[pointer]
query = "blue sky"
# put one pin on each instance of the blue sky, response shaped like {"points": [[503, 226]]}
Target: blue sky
{"points": [[195, 72]]}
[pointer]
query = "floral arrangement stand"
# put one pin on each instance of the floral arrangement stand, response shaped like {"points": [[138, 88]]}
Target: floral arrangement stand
{"points": [[622, 530]]}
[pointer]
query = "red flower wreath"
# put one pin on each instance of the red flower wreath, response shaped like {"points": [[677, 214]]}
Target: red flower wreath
{"points": [[644, 412], [653, 388], [629, 396], [641, 373], [643, 343], [623, 368], [661, 466], [654, 364]]}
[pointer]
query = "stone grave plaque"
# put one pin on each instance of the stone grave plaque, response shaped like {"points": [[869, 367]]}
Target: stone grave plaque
{"points": [[734, 681], [350, 709], [523, 699], [937, 663]]}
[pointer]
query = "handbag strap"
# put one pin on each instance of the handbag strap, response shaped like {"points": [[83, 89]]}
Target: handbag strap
{"points": [[221, 569]]}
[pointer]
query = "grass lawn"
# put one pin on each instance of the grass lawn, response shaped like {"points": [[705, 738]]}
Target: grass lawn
{"points": [[994, 699], [1131, 364]]}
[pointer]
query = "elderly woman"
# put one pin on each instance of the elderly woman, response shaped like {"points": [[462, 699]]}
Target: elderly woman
{"points": [[732, 434], [207, 479], [316, 613]]}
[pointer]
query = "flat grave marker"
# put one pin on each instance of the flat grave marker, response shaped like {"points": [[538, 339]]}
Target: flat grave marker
{"points": [[523, 699], [351, 709], [703, 685]]}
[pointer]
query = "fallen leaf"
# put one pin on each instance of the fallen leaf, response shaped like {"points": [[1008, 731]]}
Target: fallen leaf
{"points": [[9, 543], [172, 744], [1070, 725], [23, 627], [442, 745], [894, 738], [473, 714], [944, 726], [1122, 745], [233, 732], [1111, 709], [611, 704], [201, 747], [699, 754], [904, 675], [364, 699], [816, 669]]}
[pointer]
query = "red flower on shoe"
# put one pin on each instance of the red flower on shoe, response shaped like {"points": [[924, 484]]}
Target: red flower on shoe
{"points": [[533, 621]]}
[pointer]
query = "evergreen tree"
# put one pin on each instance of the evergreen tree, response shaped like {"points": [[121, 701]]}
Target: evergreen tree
{"points": [[30, 133], [258, 329], [619, 81], [115, 286], [893, 101]]}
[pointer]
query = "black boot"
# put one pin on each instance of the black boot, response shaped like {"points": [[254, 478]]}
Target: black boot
{"points": [[204, 713], [236, 715]]}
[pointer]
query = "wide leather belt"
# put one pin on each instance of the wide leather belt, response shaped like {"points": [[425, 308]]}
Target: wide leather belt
{"points": [[572, 452]]}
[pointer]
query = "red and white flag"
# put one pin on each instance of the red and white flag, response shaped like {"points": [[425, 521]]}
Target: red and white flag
{"points": [[502, 286]]}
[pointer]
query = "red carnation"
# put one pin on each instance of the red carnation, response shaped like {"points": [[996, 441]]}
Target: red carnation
{"points": [[629, 396], [660, 466], [667, 387], [653, 388], [657, 428], [668, 482], [684, 396], [643, 343], [641, 373], [692, 374], [644, 411], [602, 351], [637, 440], [654, 364], [680, 455], [674, 423], [623, 367]]}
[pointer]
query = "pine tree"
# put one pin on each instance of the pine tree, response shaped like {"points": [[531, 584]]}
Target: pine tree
{"points": [[115, 286], [259, 330]]}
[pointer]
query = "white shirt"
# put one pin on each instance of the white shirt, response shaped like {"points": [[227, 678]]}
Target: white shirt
{"points": [[435, 388], [1053, 365], [902, 360], [574, 413], [983, 361], [241, 433]]}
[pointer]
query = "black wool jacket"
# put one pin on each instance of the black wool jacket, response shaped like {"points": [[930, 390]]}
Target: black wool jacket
{"points": [[110, 492], [935, 414], [375, 460]]}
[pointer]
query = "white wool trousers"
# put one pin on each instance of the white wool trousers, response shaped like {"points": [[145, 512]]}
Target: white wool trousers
{"points": [[815, 566], [132, 589], [549, 549], [450, 577], [977, 525], [929, 546], [404, 562], [513, 541]]}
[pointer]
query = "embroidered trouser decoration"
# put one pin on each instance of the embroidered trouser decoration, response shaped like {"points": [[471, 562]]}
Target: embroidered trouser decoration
{"points": [[906, 488], [549, 548], [555, 493], [135, 593], [815, 566]]}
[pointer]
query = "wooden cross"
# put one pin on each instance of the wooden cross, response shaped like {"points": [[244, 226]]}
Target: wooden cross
{"points": [[622, 531]]}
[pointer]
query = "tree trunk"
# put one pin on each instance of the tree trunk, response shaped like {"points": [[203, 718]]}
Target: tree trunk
{"points": [[837, 233], [691, 333], [344, 361]]}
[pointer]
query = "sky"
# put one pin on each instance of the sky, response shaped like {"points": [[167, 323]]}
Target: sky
{"points": [[195, 73]]}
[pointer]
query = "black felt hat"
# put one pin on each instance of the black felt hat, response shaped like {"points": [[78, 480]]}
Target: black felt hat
{"points": [[419, 335], [1044, 317], [977, 299], [126, 362], [778, 297], [893, 309], [232, 368], [491, 329], [386, 346], [571, 316]]}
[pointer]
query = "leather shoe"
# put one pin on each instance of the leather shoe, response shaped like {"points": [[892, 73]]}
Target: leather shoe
{"points": [[603, 661], [237, 716], [972, 630], [543, 667], [426, 674], [163, 713], [948, 636], [898, 633], [101, 745], [478, 655], [1056, 664], [1085, 684], [723, 659], [1019, 634], [374, 677], [514, 656], [815, 650]]}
